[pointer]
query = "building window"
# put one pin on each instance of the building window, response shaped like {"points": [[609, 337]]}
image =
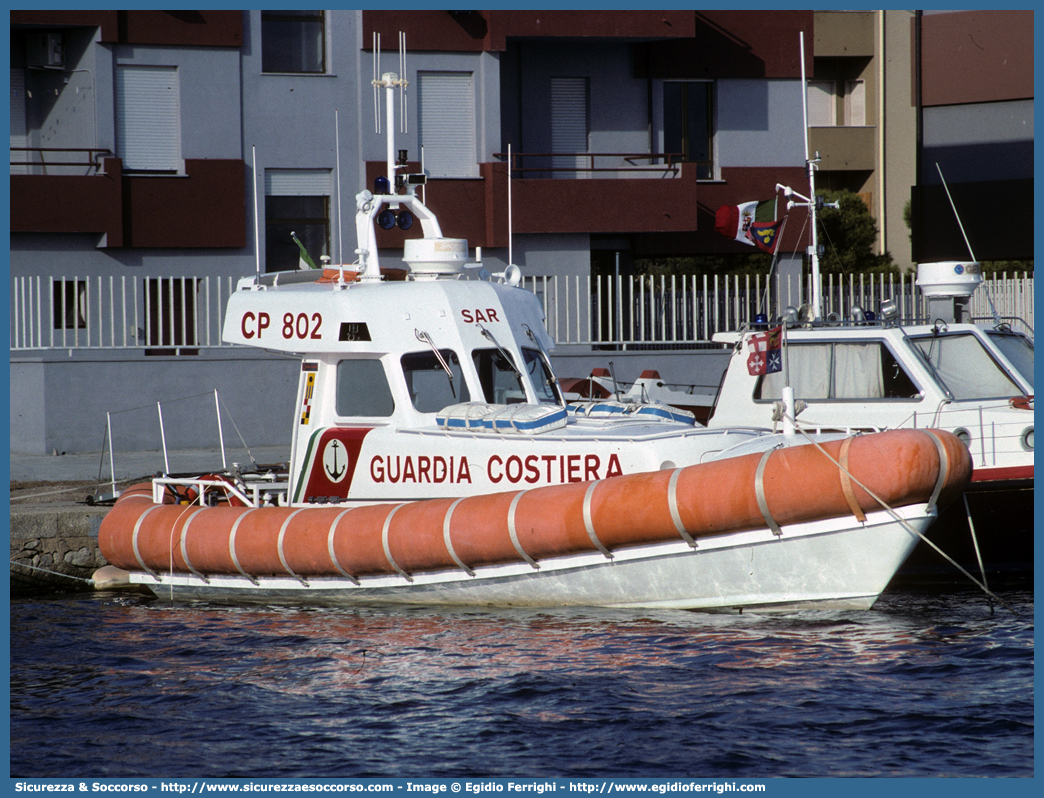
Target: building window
{"points": [[446, 126], [570, 112], [69, 304], [821, 104], [148, 119], [823, 97], [855, 103], [297, 205], [170, 311], [688, 123], [293, 42]]}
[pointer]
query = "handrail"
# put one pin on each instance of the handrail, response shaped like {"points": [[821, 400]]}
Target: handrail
{"points": [[92, 154], [672, 161]]}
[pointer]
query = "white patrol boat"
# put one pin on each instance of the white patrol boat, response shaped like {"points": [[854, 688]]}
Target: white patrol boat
{"points": [[435, 461]]}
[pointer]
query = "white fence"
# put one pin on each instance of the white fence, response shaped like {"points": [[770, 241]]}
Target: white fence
{"points": [[672, 312], [175, 315], [181, 315]]}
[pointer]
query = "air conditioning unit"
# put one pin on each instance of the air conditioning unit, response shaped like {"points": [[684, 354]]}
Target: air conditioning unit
{"points": [[44, 51]]}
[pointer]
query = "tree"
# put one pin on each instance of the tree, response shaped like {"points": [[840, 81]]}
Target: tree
{"points": [[754, 263], [849, 234]]}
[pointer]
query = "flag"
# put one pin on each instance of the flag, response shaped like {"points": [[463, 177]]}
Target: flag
{"points": [[738, 221], [305, 261], [765, 235], [766, 356]]}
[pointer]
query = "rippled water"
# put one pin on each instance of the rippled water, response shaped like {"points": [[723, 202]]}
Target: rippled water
{"points": [[927, 683]]}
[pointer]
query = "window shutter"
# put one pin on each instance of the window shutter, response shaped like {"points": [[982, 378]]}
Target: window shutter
{"points": [[855, 103], [298, 183], [569, 123], [821, 104], [446, 129], [148, 118]]}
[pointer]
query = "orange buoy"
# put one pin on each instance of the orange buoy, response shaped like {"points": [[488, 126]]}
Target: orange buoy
{"points": [[783, 486]]}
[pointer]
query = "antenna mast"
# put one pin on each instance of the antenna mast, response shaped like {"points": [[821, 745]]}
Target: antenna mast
{"points": [[257, 229], [337, 168], [810, 166]]}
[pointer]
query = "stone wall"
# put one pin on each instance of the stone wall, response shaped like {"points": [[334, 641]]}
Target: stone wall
{"points": [[54, 547]]}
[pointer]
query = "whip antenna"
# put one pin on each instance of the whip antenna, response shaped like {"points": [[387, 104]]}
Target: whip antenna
{"points": [[967, 243]]}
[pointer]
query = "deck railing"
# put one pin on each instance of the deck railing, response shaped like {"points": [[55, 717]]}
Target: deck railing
{"points": [[183, 315]]}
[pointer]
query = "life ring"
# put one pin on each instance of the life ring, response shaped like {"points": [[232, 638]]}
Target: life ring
{"points": [[213, 495]]}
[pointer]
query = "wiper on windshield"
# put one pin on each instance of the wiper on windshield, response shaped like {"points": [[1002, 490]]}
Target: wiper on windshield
{"points": [[552, 381], [504, 354], [423, 336]]}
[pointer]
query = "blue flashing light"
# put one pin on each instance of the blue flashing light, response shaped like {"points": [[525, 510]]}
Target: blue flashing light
{"points": [[761, 318], [381, 185]]}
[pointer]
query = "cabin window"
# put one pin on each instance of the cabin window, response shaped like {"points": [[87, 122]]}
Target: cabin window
{"points": [[362, 389], [428, 383], [541, 376], [859, 370], [293, 42], [1019, 351], [965, 367], [501, 382]]}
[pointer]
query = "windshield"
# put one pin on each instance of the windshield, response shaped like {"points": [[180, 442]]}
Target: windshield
{"points": [[965, 366], [501, 382], [1018, 349], [541, 376], [430, 387]]}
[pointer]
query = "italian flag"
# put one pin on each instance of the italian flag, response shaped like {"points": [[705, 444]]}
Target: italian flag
{"points": [[734, 221], [305, 260]]}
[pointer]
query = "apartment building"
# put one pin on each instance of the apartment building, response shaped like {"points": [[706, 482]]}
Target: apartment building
{"points": [[158, 156], [973, 77]]}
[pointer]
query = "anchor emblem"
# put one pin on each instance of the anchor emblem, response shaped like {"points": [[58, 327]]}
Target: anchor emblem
{"points": [[335, 470]]}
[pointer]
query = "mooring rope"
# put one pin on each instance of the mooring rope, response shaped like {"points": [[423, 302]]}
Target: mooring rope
{"points": [[53, 573], [70, 490], [903, 522]]}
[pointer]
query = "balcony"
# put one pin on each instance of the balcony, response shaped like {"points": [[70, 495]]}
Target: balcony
{"points": [[83, 191], [844, 147], [561, 193]]}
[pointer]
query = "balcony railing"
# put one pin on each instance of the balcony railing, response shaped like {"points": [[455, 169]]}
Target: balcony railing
{"points": [[183, 315], [57, 160], [560, 164]]}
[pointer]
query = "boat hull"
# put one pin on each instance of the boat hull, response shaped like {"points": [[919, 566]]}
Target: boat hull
{"points": [[779, 527], [821, 565]]}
